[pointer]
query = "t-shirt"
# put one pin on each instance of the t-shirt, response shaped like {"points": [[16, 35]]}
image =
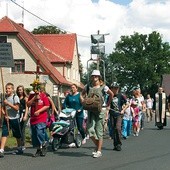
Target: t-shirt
{"points": [[117, 102], [128, 113], [12, 113], [42, 117], [149, 103], [140, 101], [73, 101]]}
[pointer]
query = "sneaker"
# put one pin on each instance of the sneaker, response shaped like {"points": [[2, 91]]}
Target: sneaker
{"points": [[1, 154], [84, 141], [94, 152], [23, 148], [137, 134], [124, 137], [134, 134], [118, 148], [18, 152], [44, 149], [72, 145], [38, 152], [97, 154], [87, 137]]}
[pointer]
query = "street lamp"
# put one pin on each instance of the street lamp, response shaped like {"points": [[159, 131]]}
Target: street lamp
{"points": [[97, 48]]}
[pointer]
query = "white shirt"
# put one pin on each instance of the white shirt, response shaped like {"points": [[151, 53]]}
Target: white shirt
{"points": [[149, 103]]}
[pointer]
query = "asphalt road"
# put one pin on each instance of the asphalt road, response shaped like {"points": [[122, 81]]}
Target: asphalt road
{"points": [[149, 151]]}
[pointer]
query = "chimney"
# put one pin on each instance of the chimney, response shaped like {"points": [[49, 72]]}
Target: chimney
{"points": [[21, 24]]}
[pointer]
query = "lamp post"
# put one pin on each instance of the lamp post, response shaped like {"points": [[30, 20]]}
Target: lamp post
{"points": [[88, 67], [98, 49]]}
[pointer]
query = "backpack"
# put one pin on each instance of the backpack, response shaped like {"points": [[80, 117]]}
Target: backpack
{"points": [[94, 100]]}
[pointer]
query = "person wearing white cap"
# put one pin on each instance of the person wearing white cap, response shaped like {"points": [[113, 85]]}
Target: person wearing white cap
{"points": [[96, 120]]}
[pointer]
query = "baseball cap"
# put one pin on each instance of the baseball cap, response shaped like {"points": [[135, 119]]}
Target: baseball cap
{"points": [[114, 84]]}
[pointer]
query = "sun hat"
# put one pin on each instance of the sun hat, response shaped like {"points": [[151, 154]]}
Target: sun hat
{"points": [[114, 84], [96, 73]]}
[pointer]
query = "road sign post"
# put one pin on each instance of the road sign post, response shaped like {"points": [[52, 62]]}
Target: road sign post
{"points": [[6, 60]]}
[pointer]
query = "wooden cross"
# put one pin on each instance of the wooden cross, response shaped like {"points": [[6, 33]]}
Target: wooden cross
{"points": [[37, 72]]}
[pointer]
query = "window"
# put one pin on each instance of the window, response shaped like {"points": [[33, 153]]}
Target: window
{"points": [[74, 74], [68, 73], [3, 39], [19, 66]]}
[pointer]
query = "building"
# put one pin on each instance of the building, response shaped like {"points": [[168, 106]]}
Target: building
{"points": [[52, 57], [165, 81]]}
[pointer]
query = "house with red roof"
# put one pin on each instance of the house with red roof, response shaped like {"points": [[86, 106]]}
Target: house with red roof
{"points": [[53, 57], [165, 80]]}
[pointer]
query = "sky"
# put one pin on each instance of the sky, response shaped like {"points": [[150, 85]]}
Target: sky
{"points": [[113, 18]]}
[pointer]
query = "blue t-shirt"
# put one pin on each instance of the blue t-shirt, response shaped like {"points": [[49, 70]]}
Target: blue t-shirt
{"points": [[73, 101]]}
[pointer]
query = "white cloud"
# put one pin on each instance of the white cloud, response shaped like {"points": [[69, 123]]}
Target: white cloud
{"points": [[85, 18]]}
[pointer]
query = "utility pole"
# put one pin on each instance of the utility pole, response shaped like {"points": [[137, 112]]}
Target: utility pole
{"points": [[98, 55]]}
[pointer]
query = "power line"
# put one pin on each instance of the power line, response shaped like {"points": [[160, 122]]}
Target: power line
{"points": [[45, 20]]}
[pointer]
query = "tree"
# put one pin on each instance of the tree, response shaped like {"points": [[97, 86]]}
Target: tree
{"points": [[48, 30], [141, 59]]}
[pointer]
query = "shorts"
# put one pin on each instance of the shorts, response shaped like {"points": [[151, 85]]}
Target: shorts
{"points": [[38, 132], [95, 125], [14, 125]]}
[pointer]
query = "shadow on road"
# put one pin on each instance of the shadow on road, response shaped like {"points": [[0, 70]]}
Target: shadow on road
{"points": [[71, 154]]}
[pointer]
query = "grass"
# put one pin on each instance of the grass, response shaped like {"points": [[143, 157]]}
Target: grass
{"points": [[11, 141]]}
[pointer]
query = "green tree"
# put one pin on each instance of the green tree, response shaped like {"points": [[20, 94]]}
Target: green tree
{"points": [[48, 30], [140, 59]]}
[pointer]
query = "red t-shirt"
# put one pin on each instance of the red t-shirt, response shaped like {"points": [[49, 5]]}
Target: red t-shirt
{"points": [[42, 117]]}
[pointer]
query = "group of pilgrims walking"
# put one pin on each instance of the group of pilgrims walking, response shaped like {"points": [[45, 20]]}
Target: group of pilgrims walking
{"points": [[120, 116]]}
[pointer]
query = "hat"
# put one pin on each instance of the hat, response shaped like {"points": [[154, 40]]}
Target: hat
{"points": [[114, 84], [96, 73]]}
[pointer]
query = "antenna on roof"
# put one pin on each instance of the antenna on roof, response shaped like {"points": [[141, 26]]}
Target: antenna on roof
{"points": [[7, 9], [23, 12]]}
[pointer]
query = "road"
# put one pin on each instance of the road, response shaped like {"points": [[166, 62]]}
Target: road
{"points": [[149, 151]]}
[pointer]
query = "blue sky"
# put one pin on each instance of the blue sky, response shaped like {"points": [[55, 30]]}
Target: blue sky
{"points": [[85, 17], [121, 2]]}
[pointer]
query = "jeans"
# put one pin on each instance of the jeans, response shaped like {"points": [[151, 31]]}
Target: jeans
{"points": [[126, 127], [79, 122], [116, 123], [142, 120], [38, 134]]}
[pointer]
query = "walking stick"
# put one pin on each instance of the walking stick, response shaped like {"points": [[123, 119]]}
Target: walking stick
{"points": [[3, 91]]}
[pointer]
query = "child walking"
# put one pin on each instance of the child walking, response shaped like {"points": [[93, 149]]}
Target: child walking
{"points": [[127, 122], [10, 110], [135, 119], [39, 104]]}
